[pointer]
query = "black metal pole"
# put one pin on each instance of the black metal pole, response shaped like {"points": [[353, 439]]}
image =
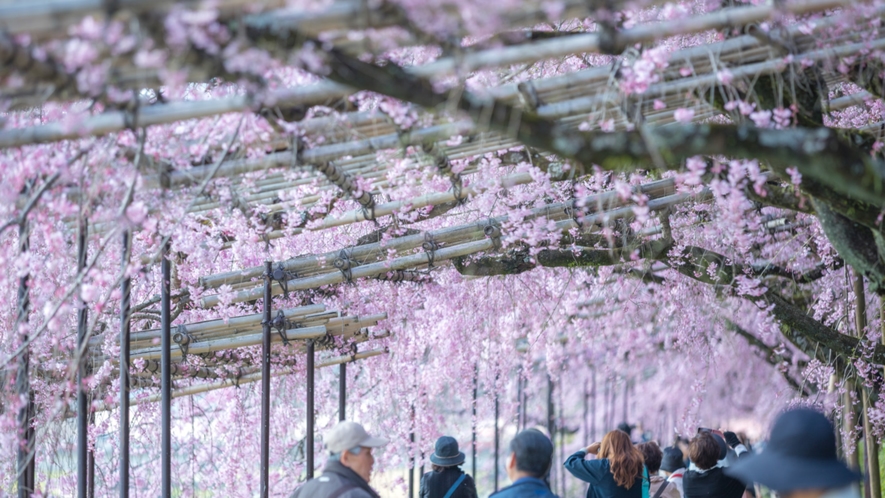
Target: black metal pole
{"points": [[593, 412], [82, 400], [90, 464], [551, 417], [23, 383], [473, 420], [519, 401], [310, 410], [265, 382], [342, 391], [166, 375], [412, 458], [125, 288], [497, 442]]}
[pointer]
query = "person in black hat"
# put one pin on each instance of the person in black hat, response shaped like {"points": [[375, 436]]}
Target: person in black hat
{"points": [[447, 480], [800, 460], [673, 466]]}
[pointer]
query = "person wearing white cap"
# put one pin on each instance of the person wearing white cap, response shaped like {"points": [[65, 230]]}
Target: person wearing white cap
{"points": [[349, 467]]}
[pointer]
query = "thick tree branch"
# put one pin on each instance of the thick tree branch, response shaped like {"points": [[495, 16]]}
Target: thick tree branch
{"points": [[822, 154], [771, 356]]}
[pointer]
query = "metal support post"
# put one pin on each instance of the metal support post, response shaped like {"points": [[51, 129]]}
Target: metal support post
{"points": [[412, 459], [497, 442], [310, 410], [23, 384], [342, 391], [126, 289], [82, 400], [473, 420], [166, 375], [265, 382]]}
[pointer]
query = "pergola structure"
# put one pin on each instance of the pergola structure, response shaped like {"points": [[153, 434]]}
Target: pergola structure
{"points": [[322, 139]]}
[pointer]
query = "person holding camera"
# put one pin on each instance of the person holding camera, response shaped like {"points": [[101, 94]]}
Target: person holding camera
{"points": [[706, 477], [618, 470]]}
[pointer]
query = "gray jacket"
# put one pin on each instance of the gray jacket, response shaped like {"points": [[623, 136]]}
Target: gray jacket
{"points": [[337, 481]]}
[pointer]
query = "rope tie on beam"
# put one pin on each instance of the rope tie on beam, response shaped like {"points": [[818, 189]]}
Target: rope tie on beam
{"points": [[183, 339], [279, 323], [344, 264], [575, 213], [281, 275], [444, 167], [430, 245], [493, 232]]}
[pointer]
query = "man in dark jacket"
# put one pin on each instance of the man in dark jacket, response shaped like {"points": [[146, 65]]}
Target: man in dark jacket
{"points": [[347, 472], [447, 480], [531, 454]]}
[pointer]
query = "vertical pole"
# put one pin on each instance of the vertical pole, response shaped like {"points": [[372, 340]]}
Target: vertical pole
{"points": [[265, 382], [166, 375], [551, 417], [561, 438], [524, 403], [626, 398], [310, 410], [126, 288], [473, 420], [593, 411], [90, 464], [411, 457], [871, 446], [82, 401], [342, 391], [551, 427], [585, 423], [27, 447], [497, 441], [519, 401]]}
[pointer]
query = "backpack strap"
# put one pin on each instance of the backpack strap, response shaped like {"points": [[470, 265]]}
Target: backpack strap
{"points": [[455, 486], [661, 489], [343, 489], [646, 481]]}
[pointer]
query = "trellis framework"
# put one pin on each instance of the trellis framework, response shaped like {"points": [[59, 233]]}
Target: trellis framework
{"points": [[333, 152]]}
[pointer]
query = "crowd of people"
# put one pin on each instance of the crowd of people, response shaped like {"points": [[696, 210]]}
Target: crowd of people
{"points": [[798, 461]]}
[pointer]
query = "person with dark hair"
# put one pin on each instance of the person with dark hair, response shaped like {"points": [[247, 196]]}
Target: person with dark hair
{"points": [[673, 466], [800, 460], [617, 472], [447, 480], [658, 486], [705, 477], [531, 454]]}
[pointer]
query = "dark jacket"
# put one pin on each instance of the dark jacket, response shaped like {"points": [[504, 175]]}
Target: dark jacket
{"points": [[437, 484], [335, 477], [598, 474], [527, 487], [712, 483]]}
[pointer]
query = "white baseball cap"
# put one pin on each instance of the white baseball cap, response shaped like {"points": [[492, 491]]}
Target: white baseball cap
{"points": [[346, 435]]}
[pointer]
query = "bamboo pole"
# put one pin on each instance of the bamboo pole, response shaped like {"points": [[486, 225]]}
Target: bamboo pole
{"points": [[244, 322], [597, 202], [110, 122], [245, 379], [871, 445], [240, 341], [454, 251]]}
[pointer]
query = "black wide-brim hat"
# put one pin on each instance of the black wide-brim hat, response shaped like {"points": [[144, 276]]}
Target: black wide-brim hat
{"points": [[784, 473], [801, 454], [446, 453]]}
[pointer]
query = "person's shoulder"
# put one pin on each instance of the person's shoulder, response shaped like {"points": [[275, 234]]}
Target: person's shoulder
{"points": [[357, 493]]}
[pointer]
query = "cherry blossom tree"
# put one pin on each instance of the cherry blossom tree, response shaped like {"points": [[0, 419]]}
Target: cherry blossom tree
{"points": [[559, 214]]}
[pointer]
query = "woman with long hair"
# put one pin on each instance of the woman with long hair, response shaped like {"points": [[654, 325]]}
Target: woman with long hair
{"points": [[618, 471]]}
